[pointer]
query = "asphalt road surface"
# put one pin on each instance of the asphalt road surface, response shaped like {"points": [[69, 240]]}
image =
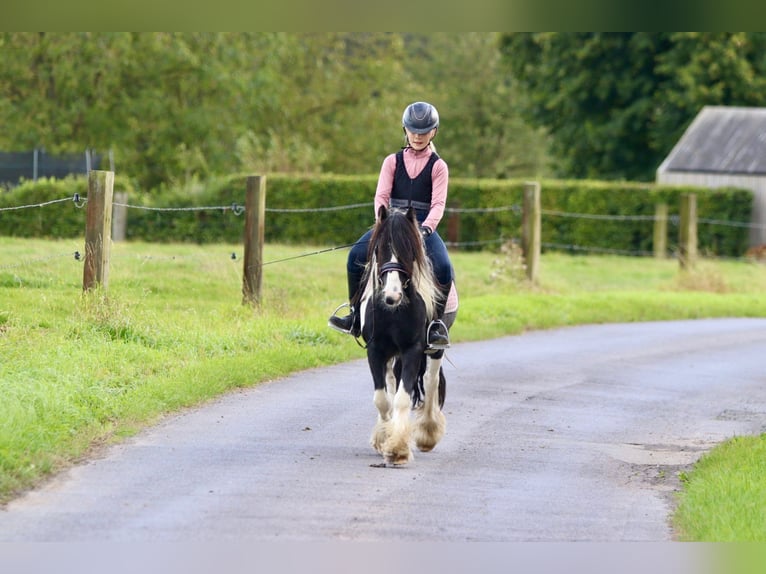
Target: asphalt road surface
{"points": [[565, 435]]}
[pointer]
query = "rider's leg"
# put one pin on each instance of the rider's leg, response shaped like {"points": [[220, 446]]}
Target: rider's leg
{"points": [[438, 334], [357, 258]]}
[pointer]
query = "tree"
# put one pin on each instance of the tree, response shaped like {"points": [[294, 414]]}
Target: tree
{"points": [[187, 97], [707, 68], [169, 105], [334, 104], [55, 90], [177, 107], [483, 132], [615, 103]]}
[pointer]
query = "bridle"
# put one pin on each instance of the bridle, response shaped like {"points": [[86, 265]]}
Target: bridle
{"points": [[394, 266]]}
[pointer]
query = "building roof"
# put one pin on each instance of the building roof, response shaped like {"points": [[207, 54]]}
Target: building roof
{"points": [[721, 139]]}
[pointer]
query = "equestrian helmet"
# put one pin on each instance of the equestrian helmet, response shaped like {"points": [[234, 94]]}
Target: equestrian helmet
{"points": [[420, 118]]}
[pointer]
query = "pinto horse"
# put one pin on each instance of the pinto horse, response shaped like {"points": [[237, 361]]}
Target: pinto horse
{"points": [[397, 302]]}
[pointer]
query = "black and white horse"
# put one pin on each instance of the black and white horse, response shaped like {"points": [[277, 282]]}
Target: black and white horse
{"points": [[396, 304]]}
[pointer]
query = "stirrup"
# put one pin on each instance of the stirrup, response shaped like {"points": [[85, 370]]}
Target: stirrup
{"points": [[335, 316], [434, 347]]}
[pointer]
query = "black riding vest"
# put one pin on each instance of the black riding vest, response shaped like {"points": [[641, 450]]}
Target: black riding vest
{"points": [[413, 192]]}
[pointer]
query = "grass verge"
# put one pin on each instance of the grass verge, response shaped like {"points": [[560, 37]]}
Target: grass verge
{"points": [[724, 497]]}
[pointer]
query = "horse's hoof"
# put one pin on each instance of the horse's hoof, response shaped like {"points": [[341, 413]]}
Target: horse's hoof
{"points": [[427, 443], [428, 432], [398, 458]]}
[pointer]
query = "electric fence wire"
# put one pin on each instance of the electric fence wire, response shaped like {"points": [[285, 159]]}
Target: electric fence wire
{"points": [[237, 209]]}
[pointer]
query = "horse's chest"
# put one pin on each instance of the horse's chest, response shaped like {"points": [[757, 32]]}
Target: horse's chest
{"points": [[395, 329]]}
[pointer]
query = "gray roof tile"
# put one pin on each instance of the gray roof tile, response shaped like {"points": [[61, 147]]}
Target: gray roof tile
{"points": [[722, 139]]}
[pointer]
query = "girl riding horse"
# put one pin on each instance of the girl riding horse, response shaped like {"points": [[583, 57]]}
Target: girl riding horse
{"points": [[414, 177]]}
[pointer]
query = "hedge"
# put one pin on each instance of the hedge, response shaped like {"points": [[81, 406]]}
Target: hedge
{"points": [[469, 220]]}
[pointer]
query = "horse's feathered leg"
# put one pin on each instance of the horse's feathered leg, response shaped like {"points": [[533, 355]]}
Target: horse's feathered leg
{"points": [[383, 399], [431, 423], [397, 449], [391, 378]]}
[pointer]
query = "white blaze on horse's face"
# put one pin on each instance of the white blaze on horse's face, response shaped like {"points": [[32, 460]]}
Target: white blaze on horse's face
{"points": [[392, 288]]}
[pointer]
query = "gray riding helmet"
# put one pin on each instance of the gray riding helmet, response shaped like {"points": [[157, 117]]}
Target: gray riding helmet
{"points": [[420, 118]]}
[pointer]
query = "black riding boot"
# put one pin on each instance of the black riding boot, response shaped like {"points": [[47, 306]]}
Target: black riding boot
{"points": [[437, 338], [348, 324], [351, 323]]}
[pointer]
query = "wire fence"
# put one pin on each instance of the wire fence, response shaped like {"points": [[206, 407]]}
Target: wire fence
{"points": [[76, 200], [79, 202], [74, 255]]}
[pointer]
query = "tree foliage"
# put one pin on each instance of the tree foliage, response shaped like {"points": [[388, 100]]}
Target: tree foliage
{"points": [[483, 129], [614, 104], [175, 107]]}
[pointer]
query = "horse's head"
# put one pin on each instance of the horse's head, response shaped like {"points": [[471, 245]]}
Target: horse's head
{"points": [[396, 249]]}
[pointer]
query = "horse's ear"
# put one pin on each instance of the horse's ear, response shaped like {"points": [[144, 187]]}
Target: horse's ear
{"points": [[411, 214], [382, 213]]}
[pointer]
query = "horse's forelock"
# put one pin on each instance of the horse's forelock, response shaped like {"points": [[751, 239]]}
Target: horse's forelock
{"points": [[404, 238], [398, 234]]}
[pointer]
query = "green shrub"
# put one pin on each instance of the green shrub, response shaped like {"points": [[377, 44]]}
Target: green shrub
{"points": [[63, 219], [304, 210]]}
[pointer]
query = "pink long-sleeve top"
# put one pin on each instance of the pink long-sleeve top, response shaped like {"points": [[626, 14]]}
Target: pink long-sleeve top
{"points": [[414, 162]]}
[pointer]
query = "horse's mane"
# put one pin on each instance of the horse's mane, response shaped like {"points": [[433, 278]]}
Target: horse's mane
{"points": [[399, 230]]}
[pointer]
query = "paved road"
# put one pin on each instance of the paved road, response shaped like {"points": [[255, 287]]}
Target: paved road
{"points": [[572, 434]]}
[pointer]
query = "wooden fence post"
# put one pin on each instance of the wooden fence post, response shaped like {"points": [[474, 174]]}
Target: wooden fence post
{"points": [[530, 229], [98, 229], [119, 216], [661, 231], [687, 234], [255, 209]]}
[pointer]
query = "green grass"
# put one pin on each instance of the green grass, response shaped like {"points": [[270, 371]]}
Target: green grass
{"points": [[725, 496], [80, 370]]}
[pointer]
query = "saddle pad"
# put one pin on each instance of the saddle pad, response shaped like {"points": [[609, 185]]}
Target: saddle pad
{"points": [[452, 301]]}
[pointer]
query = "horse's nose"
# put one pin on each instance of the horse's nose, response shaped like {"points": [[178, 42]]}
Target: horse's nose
{"points": [[393, 298]]}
